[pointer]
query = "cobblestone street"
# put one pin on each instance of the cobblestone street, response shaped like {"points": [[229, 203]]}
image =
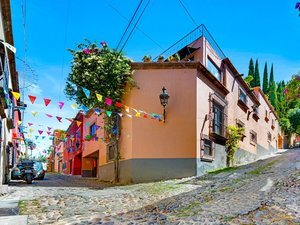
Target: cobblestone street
{"points": [[264, 192]]}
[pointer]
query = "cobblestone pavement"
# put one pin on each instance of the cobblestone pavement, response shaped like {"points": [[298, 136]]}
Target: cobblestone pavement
{"points": [[264, 192]]}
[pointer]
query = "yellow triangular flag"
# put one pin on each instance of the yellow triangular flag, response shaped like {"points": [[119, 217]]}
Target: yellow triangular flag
{"points": [[99, 97], [16, 95], [19, 123], [138, 114], [78, 123], [34, 113], [126, 108], [74, 106], [31, 130]]}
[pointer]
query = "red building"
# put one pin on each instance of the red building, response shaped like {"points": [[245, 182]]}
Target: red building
{"points": [[72, 156]]}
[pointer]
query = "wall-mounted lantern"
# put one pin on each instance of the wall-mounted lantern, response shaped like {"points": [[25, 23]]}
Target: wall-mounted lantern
{"points": [[164, 97]]}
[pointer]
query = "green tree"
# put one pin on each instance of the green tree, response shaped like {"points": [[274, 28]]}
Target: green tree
{"points": [[251, 72], [256, 75], [105, 72], [265, 80], [271, 77], [273, 96], [232, 144], [294, 117]]}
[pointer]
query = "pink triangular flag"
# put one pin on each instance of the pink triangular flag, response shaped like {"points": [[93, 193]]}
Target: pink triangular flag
{"points": [[30, 124], [32, 98], [61, 105], [48, 132], [49, 115], [59, 118], [49, 128], [40, 132], [108, 101], [47, 101]]}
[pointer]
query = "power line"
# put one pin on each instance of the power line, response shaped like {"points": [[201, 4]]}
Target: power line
{"points": [[140, 30], [188, 13], [130, 22]]}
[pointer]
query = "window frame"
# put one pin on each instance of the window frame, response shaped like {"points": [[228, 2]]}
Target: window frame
{"points": [[206, 157], [240, 124], [269, 136], [92, 130], [108, 148], [210, 61], [253, 141]]}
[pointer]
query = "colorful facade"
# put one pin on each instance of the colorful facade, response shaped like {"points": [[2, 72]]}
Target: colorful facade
{"points": [[72, 159]]}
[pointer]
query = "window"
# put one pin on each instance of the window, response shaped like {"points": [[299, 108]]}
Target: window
{"points": [[253, 137], [273, 124], [269, 136], [266, 117], [111, 151], [206, 148], [93, 129], [242, 96], [213, 69], [240, 124], [218, 119]]}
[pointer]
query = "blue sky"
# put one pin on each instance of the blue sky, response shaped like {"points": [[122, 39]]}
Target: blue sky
{"points": [[267, 30]]}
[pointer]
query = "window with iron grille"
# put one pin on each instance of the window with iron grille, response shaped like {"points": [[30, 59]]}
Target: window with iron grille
{"points": [[111, 151], [242, 96], [253, 137], [240, 124], [207, 148], [269, 136], [218, 119]]}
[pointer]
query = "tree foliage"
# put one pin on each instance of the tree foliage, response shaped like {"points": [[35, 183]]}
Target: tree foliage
{"points": [[256, 74], [265, 80], [294, 118], [234, 135], [251, 72]]}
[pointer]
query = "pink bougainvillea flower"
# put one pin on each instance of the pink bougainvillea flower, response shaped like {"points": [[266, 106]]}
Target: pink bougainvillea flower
{"points": [[285, 91], [298, 78], [104, 44], [86, 51]]}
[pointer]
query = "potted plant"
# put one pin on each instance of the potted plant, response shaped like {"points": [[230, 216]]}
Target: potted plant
{"points": [[147, 58], [174, 58], [160, 58]]}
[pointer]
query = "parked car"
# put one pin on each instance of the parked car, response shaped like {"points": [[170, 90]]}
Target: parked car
{"points": [[40, 170], [24, 170]]}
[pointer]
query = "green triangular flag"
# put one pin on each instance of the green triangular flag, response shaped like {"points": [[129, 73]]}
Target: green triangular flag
{"points": [[108, 113]]}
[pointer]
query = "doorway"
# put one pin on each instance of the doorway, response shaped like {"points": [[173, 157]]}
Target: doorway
{"points": [[94, 167]]}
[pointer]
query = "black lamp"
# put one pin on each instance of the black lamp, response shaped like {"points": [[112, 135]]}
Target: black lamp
{"points": [[164, 97]]}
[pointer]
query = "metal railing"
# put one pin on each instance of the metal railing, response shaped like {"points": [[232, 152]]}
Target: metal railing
{"points": [[191, 37]]}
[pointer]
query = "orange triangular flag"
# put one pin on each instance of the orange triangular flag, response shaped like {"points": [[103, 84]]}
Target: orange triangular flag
{"points": [[78, 123], [32, 98]]}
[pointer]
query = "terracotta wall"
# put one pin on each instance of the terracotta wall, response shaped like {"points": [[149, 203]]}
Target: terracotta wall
{"points": [[146, 138]]}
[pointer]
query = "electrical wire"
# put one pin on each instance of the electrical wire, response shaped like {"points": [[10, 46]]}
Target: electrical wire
{"points": [[186, 10], [140, 30]]}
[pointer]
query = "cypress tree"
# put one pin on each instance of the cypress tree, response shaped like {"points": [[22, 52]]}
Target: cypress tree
{"points": [[251, 72], [271, 80], [265, 80], [272, 95], [256, 75]]}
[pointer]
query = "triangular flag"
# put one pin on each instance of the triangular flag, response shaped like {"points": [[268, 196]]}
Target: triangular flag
{"points": [[99, 97], [97, 127], [69, 120], [19, 123], [118, 104], [126, 108], [61, 105], [73, 86], [138, 114], [16, 95], [85, 109], [40, 132], [145, 116], [47, 101], [43, 137], [74, 106], [49, 128], [96, 138], [108, 113], [108, 101], [50, 116], [36, 137], [48, 132], [97, 111], [130, 116], [34, 113], [86, 92], [78, 123], [31, 130], [59, 118], [120, 114], [32, 98]]}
